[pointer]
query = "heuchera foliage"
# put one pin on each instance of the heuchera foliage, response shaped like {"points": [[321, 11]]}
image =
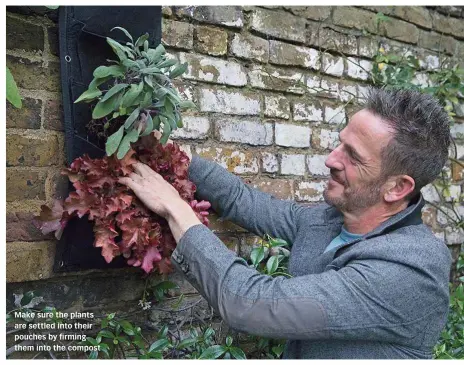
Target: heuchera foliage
{"points": [[122, 224]]}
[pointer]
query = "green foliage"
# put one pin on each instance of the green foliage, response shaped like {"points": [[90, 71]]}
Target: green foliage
{"points": [[271, 256], [12, 92], [138, 92]]}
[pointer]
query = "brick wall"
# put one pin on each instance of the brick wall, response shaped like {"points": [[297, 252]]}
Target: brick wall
{"points": [[272, 89]]}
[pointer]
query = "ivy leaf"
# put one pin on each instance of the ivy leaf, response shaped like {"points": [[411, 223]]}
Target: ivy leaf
{"points": [[229, 341], [113, 141], [106, 333], [159, 345], [272, 264], [125, 32], [237, 353], [188, 342], [257, 255], [130, 120], [213, 352], [113, 91], [27, 298], [179, 70], [88, 95], [12, 92], [124, 147]]}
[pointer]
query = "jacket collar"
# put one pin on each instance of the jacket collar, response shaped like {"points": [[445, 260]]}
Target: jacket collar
{"points": [[412, 215]]}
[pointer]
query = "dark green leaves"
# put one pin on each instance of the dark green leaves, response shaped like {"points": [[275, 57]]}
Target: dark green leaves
{"points": [[213, 352], [113, 141], [12, 92]]}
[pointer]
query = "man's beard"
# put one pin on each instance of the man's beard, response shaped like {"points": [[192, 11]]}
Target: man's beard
{"points": [[357, 199]]}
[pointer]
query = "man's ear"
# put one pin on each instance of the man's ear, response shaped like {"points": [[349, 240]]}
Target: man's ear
{"points": [[398, 187]]}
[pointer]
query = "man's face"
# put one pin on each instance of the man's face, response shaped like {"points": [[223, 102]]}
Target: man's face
{"points": [[355, 165]]}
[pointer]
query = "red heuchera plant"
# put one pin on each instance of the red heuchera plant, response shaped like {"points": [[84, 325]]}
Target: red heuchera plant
{"points": [[122, 224]]}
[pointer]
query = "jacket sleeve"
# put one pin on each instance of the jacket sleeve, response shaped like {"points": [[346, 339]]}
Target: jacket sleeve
{"points": [[250, 208], [363, 300]]}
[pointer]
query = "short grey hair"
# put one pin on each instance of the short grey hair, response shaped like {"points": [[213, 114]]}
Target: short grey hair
{"points": [[419, 147]]}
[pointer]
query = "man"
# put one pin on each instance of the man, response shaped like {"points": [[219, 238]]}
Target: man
{"points": [[369, 278]]}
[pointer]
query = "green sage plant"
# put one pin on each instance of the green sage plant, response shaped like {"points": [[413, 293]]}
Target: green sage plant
{"points": [[135, 94]]}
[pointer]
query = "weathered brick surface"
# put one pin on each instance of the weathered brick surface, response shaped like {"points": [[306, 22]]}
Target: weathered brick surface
{"points": [[270, 78], [24, 184], [310, 191], [448, 25], [214, 70], [33, 150], [289, 135], [276, 106], [399, 30], [53, 115], [194, 128], [354, 18], [278, 24], [308, 112], [56, 185], [211, 40], [31, 75], [217, 225], [20, 227], [53, 43], [27, 117], [334, 115], [247, 131], [23, 35], [270, 162], [332, 65], [228, 102], [324, 139], [438, 42], [177, 34], [234, 161], [358, 68], [327, 38], [316, 165], [311, 12], [230, 16], [287, 54], [278, 188], [26, 261], [250, 47], [368, 47], [292, 164]]}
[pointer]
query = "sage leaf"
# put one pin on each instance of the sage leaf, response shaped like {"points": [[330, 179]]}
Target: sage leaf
{"points": [[104, 71], [88, 95], [132, 117], [113, 91], [149, 127], [179, 70], [131, 95], [166, 130], [124, 147], [141, 40], [187, 104], [113, 141], [125, 32], [104, 108]]}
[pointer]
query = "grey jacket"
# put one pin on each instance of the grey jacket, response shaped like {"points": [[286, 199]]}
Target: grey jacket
{"points": [[384, 295]]}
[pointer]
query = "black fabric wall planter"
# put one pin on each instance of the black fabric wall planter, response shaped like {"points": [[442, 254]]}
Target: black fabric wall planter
{"points": [[83, 47]]}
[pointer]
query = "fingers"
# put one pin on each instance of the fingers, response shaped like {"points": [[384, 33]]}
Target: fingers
{"points": [[127, 181], [144, 170]]}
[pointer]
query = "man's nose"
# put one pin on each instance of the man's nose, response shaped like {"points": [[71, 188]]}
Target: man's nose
{"points": [[334, 160]]}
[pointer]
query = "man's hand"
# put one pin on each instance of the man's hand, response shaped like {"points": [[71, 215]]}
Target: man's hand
{"points": [[150, 187], [162, 198]]}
